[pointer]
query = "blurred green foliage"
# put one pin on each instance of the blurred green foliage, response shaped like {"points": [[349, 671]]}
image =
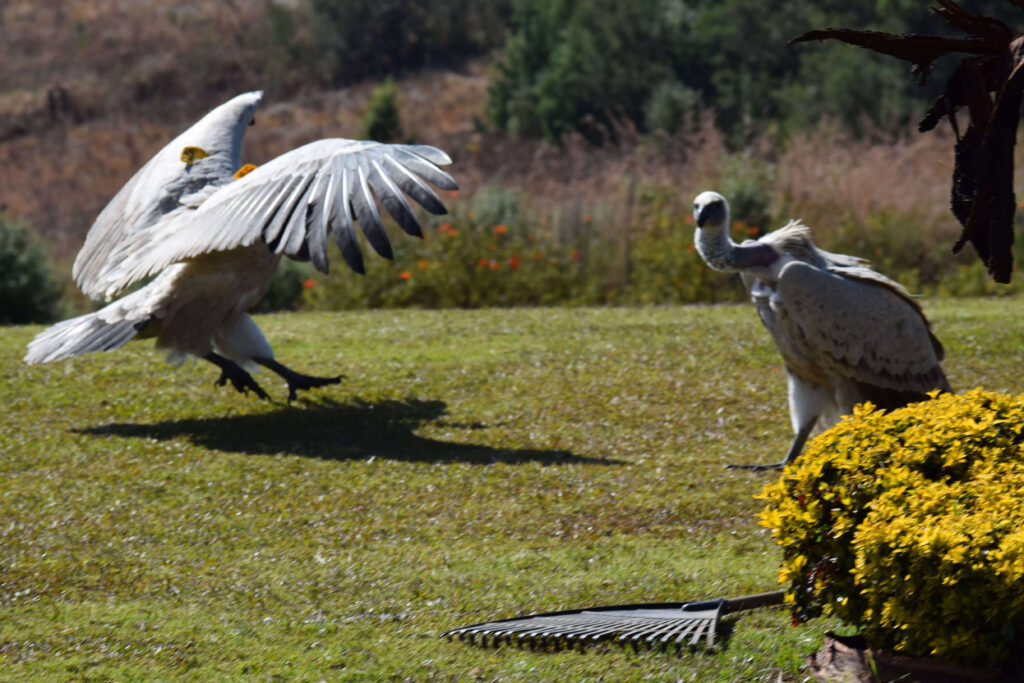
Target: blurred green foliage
{"points": [[361, 38], [588, 65], [28, 293], [383, 120]]}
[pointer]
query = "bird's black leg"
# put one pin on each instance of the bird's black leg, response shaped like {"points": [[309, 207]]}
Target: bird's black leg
{"points": [[230, 371], [296, 380], [794, 450]]}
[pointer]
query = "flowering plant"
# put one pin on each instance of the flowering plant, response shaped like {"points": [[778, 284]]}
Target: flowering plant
{"points": [[910, 525]]}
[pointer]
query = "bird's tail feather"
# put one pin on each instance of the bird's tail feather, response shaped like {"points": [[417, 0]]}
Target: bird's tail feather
{"points": [[84, 334]]}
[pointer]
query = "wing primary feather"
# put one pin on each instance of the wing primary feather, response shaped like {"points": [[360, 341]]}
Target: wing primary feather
{"points": [[414, 187], [432, 154], [392, 199], [274, 233], [340, 218], [366, 211], [425, 168], [263, 211], [316, 228], [294, 236], [274, 216]]}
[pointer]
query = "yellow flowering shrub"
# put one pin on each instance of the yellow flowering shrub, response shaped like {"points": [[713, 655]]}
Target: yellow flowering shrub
{"points": [[910, 525]]}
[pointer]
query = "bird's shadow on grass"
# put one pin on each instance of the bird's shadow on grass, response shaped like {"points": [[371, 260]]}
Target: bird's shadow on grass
{"points": [[340, 431]]}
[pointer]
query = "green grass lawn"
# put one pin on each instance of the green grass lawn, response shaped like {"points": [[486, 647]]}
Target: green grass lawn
{"points": [[473, 465]]}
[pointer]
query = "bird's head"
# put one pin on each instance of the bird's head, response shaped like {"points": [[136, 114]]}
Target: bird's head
{"points": [[219, 133], [711, 214], [710, 210]]}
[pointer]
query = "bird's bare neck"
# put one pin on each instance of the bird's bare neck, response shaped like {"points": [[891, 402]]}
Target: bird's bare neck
{"points": [[721, 253], [715, 247]]}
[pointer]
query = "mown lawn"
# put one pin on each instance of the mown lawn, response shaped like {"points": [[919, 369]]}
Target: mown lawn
{"points": [[474, 465]]}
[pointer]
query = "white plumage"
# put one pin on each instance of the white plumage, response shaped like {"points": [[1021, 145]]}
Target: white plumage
{"points": [[847, 334], [212, 239]]}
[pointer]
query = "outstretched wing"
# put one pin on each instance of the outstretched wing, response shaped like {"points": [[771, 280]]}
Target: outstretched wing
{"points": [[854, 322], [158, 188], [293, 202]]}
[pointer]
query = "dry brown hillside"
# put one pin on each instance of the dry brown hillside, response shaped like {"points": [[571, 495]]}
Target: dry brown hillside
{"points": [[90, 89]]}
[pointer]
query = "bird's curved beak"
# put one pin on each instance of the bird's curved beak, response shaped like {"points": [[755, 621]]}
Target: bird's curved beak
{"points": [[700, 215]]}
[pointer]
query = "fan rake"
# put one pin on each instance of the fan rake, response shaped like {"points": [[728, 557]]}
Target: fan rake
{"points": [[669, 624]]}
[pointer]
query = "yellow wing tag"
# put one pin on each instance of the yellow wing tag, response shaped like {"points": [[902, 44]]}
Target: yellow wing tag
{"points": [[245, 170], [191, 155]]}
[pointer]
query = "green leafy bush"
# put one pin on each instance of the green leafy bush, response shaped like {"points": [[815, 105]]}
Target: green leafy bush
{"points": [[361, 38], [671, 106], [28, 293], [580, 65], [909, 525], [464, 262], [383, 121]]}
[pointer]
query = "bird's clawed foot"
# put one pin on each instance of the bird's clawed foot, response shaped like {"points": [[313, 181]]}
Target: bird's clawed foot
{"points": [[241, 380], [297, 380]]}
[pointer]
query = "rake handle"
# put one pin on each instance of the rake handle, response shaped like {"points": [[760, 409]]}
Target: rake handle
{"points": [[739, 604]]}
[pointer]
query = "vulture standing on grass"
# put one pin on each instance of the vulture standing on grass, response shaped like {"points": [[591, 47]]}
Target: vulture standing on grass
{"points": [[847, 334], [211, 233]]}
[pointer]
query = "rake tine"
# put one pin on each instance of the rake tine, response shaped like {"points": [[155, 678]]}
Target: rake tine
{"points": [[638, 631], [678, 636], [664, 633]]}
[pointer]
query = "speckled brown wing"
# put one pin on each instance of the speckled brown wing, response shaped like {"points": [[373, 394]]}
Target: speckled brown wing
{"points": [[859, 326]]}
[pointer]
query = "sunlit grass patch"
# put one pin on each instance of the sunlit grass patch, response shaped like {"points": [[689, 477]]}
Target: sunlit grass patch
{"points": [[473, 465]]}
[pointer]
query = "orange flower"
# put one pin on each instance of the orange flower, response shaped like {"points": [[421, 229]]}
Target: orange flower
{"points": [[500, 229], [537, 256], [513, 262], [454, 194], [308, 284], [404, 275], [586, 218], [452, 232], [444, 227], [492, 247], [482, 263], [689, 218], [691, 246], [424, 264], [574, 254], [753, 230], [495, 265]]}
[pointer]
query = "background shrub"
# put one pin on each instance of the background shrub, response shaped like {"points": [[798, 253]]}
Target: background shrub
{"points": [[584, 64], [580, 65], [908, 525], [383, 120], [361, 38], [28, 293], [466, 263], [671, 106]]}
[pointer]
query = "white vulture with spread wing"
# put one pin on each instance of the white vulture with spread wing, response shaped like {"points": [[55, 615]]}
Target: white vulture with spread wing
{"points": [[847, 334], [211, 233]]}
